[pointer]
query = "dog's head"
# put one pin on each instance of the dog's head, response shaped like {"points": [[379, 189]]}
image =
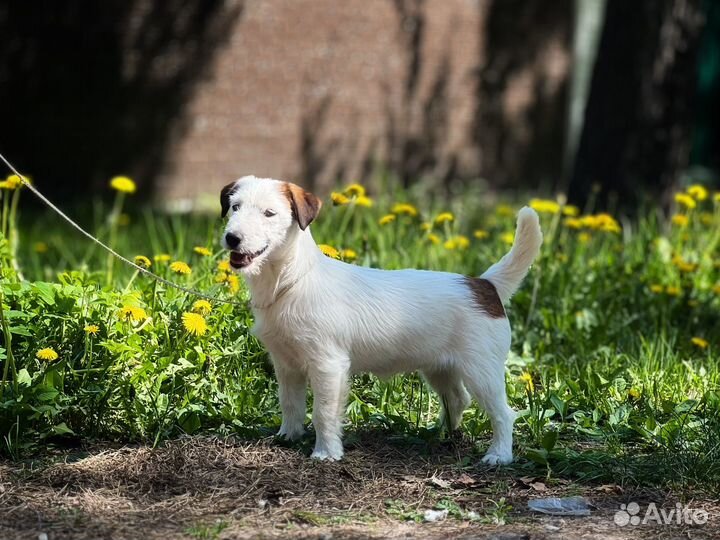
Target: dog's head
{"points": [[263, 215]]}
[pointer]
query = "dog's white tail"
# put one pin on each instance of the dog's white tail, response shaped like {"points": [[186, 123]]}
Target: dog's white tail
{"points": [[507, 274]]}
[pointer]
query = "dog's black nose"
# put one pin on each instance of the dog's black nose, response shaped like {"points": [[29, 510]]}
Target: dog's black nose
{"points": [[232, 240]]}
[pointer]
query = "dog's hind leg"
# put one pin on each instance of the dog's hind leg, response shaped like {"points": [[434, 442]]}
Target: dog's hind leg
{"points": [[486, 383], [329, 381], [292, 388], [454, 399]]}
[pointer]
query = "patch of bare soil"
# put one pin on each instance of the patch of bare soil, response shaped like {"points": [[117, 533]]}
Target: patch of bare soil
{"points": [[208, 488]]}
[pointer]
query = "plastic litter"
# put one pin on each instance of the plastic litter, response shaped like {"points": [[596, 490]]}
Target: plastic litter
{"points": [[566, 506], [431, 516]]}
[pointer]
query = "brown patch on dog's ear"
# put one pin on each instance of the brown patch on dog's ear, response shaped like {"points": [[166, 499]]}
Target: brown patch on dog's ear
{"points": [[225, 194], [304, 205], [485, 296]]}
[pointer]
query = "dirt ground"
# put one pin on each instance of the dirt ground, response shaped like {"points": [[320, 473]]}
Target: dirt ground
{"points": [[207, 488]]}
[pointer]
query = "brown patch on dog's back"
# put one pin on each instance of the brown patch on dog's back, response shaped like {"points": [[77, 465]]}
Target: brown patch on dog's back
{"points": [[485, 296]]}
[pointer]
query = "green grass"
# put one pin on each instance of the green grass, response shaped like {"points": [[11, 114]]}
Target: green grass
{"points": [[603, 368]]}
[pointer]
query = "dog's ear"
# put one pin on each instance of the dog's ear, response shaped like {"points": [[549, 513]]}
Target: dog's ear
{"points": [[225, 198], [305, 206]]}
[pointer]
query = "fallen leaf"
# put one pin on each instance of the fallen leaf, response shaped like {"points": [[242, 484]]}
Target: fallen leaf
{"points": [[609, 488], [538, 486], [465, 480], [439, 482]]}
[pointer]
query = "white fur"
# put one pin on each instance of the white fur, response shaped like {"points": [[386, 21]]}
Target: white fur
{"points": [[322, 320]]}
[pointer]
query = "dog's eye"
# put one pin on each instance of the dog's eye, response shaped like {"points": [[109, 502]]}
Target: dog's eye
{"points": [[269, 213], [235, 207]]}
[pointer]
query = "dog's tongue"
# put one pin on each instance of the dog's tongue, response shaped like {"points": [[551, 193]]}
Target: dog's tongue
{"points": [[238, 260]]}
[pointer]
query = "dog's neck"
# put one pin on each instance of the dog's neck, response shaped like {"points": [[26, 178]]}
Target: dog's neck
{"points": [[284, 269]]}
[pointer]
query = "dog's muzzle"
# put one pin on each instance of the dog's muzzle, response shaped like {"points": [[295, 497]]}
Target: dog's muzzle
{"points": [[241, 260]]}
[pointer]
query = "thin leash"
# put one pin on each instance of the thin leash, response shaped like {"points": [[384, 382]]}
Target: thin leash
{"points": [[110, 250]]}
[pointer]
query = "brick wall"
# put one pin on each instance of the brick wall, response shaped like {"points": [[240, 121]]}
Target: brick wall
{"points": [[320, 90], [185, 95]]}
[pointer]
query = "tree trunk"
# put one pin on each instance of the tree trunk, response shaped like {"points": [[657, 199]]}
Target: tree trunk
{"points": [[638, 120]]}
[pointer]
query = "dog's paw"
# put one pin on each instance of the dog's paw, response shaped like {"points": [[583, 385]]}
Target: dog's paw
{"points": [[291, 433], [494, 458], [322, 454]]}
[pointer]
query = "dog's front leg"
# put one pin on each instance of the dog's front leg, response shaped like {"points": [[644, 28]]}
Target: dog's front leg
{"points": [[291, 387], [329, 381]]}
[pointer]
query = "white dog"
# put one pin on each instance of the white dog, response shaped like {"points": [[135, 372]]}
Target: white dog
{"points": [[322, 319]]}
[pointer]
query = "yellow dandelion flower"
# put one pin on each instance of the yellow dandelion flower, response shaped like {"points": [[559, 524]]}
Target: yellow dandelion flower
{"points": [[504, 210], [48, 354], [220, 277], [545, 206], [233, 283], [527, 379], [634, 393], [329, 251], [444, 217], [656, 288], [202, 306], [40, 247], [339, 199], [611, 227], [162, 258], [671, 290], [508, 237], [589, 221], [681, 220], [132, 314], [700, 342], [573, 223], [685, 200], [180, 267], [426, 226], [142, 260], [607, 223], [683, 265], [123, 184], [362, 200], [92, 329], [224, 266], [433, 238], [13, 182], [462, 241], [698, 192], [584, 237], [194, 323], [404, 208], [200, 250], [355, 190], [457, 242], [480, 234], [386, 219], [349, 254], [570, 210]]}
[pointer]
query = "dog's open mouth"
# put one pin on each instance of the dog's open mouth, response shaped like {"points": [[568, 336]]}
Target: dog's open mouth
{"points": [[241, 260]]}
